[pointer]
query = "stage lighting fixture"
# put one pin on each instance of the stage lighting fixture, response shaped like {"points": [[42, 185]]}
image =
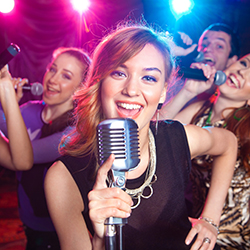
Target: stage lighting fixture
{"points": [[181, 7], [7, 6], [80, 5]]}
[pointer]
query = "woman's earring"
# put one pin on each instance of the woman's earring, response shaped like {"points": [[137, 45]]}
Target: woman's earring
{"points": [[157, 117]]}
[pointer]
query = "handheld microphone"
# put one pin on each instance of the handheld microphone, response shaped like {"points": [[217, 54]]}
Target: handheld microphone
{"points": [[197, 74], [35, 88], [119, 137], [8, 54]]}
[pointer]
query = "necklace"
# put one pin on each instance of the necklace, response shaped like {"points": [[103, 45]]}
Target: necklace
{"points": [[150, 177], [208, 120]]}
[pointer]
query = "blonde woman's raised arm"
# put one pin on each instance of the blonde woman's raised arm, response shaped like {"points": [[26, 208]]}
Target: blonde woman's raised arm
{"points": [[15, 152]]}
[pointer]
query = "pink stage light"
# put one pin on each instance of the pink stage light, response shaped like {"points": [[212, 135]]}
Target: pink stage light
{"points": [[7, 6], [80, 5]]}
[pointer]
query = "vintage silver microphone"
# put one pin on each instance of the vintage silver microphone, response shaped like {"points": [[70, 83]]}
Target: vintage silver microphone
{"points": [[119, 137]]}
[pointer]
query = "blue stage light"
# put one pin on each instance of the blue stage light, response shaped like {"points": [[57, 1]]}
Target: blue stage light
{"points": [[181, 7]]}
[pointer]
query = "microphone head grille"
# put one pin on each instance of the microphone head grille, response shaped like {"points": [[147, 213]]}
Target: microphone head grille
{"points": [[220, 78], [119, 137], [36, 88]]}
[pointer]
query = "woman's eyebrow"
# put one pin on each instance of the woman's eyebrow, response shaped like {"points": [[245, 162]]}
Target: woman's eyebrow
{"points": [[144, 69], [153, 69]]}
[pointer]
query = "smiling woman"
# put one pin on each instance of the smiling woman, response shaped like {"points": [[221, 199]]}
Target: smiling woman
{"points": [[128, 78], [46, 121], [134, 89], [229, 108]]}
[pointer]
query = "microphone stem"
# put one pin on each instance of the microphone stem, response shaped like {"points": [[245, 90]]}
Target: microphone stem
{"points": [[110, 238], [113, 238], [26, 87], [119, 237]]}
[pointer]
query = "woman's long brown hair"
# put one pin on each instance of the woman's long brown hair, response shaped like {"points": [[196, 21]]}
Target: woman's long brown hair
{"points": [[114, 50]]}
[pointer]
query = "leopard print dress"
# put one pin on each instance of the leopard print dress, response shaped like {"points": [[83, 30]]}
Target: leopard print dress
{"points": [[235, 220]]}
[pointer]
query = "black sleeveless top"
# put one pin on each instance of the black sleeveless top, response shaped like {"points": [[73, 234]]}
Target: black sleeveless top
{"points": [[160, 222]]}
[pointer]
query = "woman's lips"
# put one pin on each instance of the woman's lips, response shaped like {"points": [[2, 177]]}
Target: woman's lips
{"points": [[130, 110], [51, 91], [233, 81]]}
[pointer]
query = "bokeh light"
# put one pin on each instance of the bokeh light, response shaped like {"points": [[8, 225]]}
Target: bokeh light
{"points": [[6, 6], [181, 7], [80, 5]]}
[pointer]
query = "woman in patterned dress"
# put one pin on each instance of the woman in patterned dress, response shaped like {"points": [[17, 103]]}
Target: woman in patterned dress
{"points": [[228, 108]]}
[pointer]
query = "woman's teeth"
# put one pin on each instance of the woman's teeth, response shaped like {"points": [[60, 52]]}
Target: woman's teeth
{"points": [[234, 81], [129, 106], [52, 90]]}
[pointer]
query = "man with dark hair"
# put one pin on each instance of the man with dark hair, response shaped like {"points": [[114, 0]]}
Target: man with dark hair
{"points": [[220, 45], [221, 48]]}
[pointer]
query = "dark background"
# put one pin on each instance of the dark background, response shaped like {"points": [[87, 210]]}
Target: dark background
{"points": [[40, 26]]}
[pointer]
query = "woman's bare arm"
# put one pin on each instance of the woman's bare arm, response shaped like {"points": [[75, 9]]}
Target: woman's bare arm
{"points": [[65, 206], [16, 151], [222, 144]]}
